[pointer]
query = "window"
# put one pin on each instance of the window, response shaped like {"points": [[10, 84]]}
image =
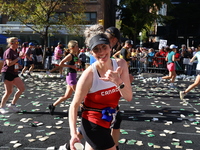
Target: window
{"points": [[91, 17]]}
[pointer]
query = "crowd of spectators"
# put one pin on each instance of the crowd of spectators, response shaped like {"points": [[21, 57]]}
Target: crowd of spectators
{"points": [[142, 59], [148, 60]]}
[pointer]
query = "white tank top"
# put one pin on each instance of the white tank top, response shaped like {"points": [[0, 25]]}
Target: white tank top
{"points": [[100, 84], [198, 58]]}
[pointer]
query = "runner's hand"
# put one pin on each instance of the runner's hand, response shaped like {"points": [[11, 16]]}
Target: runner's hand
{"points": [[112, 76], [74, 139]]}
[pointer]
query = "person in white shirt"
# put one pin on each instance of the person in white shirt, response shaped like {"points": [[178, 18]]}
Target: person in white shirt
{"points": [[197, 80]]}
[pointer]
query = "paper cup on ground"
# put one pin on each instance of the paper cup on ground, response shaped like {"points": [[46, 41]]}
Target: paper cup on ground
{"points": [[79, 146]]}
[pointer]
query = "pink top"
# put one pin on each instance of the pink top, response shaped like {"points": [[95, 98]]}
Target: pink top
{"points": [[23, 51], [57, 51]]}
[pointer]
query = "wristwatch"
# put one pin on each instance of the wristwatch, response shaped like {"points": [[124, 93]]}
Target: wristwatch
{"points": [[121, 86]]}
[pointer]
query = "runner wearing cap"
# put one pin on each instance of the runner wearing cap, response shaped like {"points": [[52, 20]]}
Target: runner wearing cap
{"points": [[114, 37], [170, 58], [125, 54], [99, 88], [28, 60]]}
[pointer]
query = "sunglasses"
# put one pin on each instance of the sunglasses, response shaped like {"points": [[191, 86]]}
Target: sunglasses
{"points": [[15, 42]]}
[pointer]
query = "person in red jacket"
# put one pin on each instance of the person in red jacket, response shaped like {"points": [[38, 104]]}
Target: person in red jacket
{"points": [[160, 55]]}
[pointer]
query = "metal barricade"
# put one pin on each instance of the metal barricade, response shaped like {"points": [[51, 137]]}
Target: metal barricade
{"points": [[159, 65], [156, 65], [188, 69]]}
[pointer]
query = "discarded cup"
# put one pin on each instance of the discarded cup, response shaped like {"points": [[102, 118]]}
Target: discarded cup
{"points": [[79, 146], [63, 147]]}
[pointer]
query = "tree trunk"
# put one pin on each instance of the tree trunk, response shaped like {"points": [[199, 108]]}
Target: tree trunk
{"points": [[45, 36]]}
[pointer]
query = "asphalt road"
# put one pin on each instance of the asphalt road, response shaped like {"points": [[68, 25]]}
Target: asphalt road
{"points": [[156, 118]]}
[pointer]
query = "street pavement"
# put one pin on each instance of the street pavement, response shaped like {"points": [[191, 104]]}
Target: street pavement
{"points": [[156, 118]]}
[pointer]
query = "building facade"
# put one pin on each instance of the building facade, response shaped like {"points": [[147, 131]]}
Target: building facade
{"points": [[96, 10], [184, 27]]}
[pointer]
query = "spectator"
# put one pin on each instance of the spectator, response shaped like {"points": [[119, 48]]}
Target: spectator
{"points": [[48, 59], [125, 54], [39, 55], [23, 51], [134, 60], [82, 58], [150, 57], [87, 53], [137, 58], [143, 59], [160, 58], [133, 52], [58, 54], [125, 51], [183, 48], [182, 51], [177, 64], [188, 55]]}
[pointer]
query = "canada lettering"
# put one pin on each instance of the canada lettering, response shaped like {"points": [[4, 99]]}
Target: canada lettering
{"points": [[104, 93]]}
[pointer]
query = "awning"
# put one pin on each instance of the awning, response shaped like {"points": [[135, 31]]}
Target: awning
{"points": [[3, 39]]}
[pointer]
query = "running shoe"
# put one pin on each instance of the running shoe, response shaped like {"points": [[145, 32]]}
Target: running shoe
{"points": [[51, 108], [29, 74], [182, 95], [3, 111], [22, 75], [159, 79], [13, 108]]}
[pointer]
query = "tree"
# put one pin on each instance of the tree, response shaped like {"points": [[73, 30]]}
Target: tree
{"points": [[139, 15], [45, 17]]}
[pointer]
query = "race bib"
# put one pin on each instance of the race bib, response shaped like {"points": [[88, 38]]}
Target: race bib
{"points": [[16, 68]]}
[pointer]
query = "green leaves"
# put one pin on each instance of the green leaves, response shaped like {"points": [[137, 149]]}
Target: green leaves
{"points": [[44, 17], [139, 15]]}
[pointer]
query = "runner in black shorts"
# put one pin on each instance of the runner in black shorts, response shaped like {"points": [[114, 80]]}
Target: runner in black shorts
{"points": [[113, 35], [93, 88], [95, 136], [10, 76]]}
